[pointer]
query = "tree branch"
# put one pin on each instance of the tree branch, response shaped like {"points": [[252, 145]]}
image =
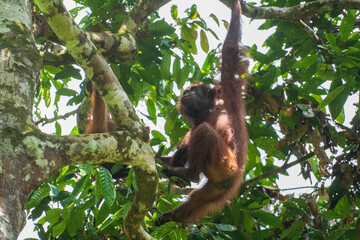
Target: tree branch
{"points": [[45, 120], [105, 81], [118, 47], [296, 12], [276, 171], [139, 13]]}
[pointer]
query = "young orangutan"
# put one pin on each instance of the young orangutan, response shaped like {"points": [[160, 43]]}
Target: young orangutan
{"points": [[216, 144]]}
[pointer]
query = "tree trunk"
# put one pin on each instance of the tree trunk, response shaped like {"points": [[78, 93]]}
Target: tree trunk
{"points": [[20, 65]]}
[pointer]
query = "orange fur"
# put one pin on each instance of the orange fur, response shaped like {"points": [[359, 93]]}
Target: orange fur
{"points": [[99, 119], [216, 145]]}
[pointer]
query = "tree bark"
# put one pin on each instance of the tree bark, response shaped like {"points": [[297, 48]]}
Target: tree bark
{"points": [[20, 65], [29, 157]]}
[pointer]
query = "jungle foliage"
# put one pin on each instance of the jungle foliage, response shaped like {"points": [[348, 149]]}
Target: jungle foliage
{"points": [[298, 91]]}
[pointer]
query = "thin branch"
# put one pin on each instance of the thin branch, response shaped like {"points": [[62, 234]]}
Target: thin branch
{"points": [[309, 31], [47, 120], [308, 9], [281, 169], [296, 188]]}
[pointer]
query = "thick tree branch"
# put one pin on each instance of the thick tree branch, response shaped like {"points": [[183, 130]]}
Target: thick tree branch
{"points": [[297, 12], [119, 47], [122, 146], [105, 81]]}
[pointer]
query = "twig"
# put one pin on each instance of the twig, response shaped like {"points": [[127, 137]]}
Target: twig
{"points": [[276, 171], [309, 31], [295, 188], [47, 121]]}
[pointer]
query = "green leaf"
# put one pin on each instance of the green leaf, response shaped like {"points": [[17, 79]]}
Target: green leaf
{"points": [[294, 231], [337, 106], [171, 121], [331, 38], [188, 35], [151, 109], [177, 71], [53, 215], [197, 76], [315, 167], [47, 97], [268, 144], [80, 185], [268, 218], [75, 221], [103, 213], [308, 73], [330, 214], [66, 92], [157, 134], [122, 72], [185, 71], [341, 118], [204, 41], [343, 206], [161, 28], [306, 62], [38, 195], [129, 179], [107, 186], [165, 65], [157, 139], [333, 95], [350, 78], [86, 168], [68, 71], [268, 78], [98, 191], [192, 14], [347, 25], [150, 73], [213, 16], [174, 12], [209, 61], [59, 228], [57, 128], [247, 220]]}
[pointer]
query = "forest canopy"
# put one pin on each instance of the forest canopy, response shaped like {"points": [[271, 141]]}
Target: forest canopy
{"points": [[302, 81]]}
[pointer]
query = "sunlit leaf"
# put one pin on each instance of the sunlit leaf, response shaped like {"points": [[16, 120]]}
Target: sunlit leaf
{"points": [[174, 12]]}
